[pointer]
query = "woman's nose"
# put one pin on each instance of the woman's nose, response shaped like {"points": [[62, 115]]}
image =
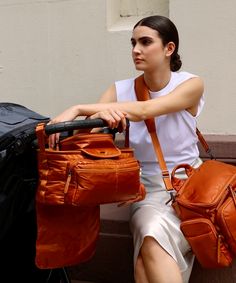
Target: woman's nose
{"points": [[136, 49]]}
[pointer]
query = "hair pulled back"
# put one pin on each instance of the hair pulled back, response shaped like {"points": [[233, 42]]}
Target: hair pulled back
{"points": [[167, 32]]}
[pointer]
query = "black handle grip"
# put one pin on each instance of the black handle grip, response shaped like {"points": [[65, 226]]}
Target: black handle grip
{"points": [[74, 125]]}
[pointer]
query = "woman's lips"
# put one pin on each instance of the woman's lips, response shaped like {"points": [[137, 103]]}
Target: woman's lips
{"points": [[138, 60]]}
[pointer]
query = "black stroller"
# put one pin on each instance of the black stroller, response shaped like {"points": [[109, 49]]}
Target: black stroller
{"points": [[18, 181], [17, 188]]}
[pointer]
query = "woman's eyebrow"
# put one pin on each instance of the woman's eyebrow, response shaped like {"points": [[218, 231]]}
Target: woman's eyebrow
{"points": [[141, 38]]}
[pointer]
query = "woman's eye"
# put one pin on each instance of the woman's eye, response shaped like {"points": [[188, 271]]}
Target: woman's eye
{"points": [[142, 41], [146, 41], [133, 43]]}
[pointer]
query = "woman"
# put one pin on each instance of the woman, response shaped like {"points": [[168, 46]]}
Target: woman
{"points": [[161, 253]]}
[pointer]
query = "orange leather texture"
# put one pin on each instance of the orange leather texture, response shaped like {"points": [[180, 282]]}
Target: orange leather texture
{"points": [[84, 172], [206, 204], [66, 235], [87, 170]]}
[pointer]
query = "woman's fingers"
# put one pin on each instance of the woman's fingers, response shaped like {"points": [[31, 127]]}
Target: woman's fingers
{"points": [[114, 118], [53, 139], [120, 118], [123, 124]]}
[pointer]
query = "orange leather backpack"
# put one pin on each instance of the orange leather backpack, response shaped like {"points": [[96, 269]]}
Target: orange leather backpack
{"points": [[205, 202]]}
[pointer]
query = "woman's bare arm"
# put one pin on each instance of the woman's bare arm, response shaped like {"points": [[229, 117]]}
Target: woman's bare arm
{"points": [[185, 96]]}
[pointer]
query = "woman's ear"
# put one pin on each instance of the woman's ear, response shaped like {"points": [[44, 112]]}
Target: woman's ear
{"points": [[170, 48]]}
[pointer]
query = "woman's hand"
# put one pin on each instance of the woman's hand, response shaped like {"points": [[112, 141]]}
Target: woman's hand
{"points": [[114, 118], [68, 115]]}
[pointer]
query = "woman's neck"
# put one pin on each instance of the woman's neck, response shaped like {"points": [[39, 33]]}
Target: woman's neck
{"points": [[157, 81]]}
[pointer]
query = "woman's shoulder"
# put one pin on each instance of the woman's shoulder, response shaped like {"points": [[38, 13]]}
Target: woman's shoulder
{"points": [[182, 76], [125, 89], [125, 85], [125, 81]]}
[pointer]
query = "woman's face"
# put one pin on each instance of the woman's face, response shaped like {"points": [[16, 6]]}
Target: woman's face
{"points": [[148, 52]]}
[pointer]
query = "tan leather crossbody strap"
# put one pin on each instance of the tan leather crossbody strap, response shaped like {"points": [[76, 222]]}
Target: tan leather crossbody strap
{"points": [[142, 94], [204, 144], [162, 163]]}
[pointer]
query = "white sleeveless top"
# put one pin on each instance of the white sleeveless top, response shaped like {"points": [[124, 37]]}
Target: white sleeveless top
{"points": [[176, 131]]}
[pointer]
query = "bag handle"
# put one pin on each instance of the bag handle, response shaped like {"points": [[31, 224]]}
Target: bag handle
{"points": [[41, 136], [42, 130], [178, 183]]}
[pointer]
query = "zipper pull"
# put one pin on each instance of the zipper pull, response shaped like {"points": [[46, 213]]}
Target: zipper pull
{"points": [[67, 182]]}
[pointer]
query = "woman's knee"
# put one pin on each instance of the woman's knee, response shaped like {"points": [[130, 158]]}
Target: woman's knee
{"points": [[149, 245], [149, 241], [139, 271], [152, 250], [139, 262]]}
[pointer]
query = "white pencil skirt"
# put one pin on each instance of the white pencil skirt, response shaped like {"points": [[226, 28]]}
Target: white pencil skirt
{"points": [[152, 217]]}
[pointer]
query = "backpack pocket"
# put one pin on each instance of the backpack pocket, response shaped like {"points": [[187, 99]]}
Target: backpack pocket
{"points": [[226, 218], [206, 243]]}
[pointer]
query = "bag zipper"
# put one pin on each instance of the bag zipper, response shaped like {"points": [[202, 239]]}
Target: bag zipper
{"points": [[97, 170]]}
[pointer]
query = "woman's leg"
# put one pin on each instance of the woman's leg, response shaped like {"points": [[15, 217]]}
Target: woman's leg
{"points": [[140, 273], [159, 266]]}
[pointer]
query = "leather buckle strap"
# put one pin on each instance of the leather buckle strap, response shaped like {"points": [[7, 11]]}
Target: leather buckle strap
{"points": [[165, 174]]}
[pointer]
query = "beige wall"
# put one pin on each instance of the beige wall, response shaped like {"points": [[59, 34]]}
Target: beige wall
{"points": [[208, 46], [56, 53]]}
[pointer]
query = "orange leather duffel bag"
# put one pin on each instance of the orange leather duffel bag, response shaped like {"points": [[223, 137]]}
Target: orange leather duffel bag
{"points": [[88, 169], [84, 172]]}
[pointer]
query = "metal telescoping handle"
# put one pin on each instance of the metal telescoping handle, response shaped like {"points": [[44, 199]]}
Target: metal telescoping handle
{"points": [[78, 124], [74, 125]]}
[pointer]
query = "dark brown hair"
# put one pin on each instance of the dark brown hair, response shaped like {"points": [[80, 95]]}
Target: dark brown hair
{"points": [[167, 32]]}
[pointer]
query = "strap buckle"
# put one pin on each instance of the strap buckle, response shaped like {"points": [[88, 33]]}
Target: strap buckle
{"points": [[165, 174], [172, 197], [209, 152]]}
